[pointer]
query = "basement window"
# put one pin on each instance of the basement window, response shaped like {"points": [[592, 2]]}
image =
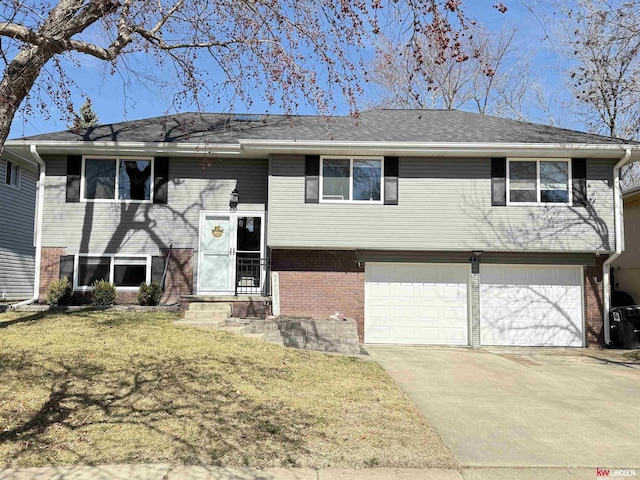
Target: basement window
{"points": [[126, 272]]}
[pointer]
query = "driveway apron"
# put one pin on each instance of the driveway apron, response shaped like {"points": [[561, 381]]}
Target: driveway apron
{"points": [[524, 407]]}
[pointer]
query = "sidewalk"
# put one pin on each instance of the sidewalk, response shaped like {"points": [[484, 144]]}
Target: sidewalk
{"points": [[167, 472]]}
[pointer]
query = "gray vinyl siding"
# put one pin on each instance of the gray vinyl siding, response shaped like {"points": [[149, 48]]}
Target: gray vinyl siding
{"points": [[144, 228], [521, 258], [444, 205], [17, 210], [626, 268]]}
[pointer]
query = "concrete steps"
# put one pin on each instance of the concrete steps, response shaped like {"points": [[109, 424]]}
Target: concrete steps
{"points": [[206, 315], [239, 329], [205, 324], [240, 326], [217, 315]]}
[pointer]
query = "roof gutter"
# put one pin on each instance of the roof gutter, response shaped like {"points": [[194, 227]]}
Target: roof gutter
{"points": [[38, 231], [430, 148], [619, 239], [121, 148]]}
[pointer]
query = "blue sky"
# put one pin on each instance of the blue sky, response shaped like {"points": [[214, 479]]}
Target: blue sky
{"points": [[112, 105]]}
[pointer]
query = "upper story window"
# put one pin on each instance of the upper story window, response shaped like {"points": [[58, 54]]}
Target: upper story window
{"points": [[351, 179], [117, 179], [538, 181], [12, 174]]}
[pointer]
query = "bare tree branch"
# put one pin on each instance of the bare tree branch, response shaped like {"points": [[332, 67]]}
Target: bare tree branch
{"points": [[286, 51]]}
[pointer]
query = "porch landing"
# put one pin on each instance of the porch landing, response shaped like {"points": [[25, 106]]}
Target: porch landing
{"points": [[226, 298], [240, 306]]}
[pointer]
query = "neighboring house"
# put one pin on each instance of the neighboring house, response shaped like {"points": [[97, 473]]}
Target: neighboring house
{"points": [[427, 227], [626, 272], [18, 178]]}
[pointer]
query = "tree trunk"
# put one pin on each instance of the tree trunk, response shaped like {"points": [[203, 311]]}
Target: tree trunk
{"points": [[19, 78]]}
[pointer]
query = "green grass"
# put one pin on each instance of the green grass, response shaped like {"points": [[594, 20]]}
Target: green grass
{"points": [[633, 355], [117, 387]]}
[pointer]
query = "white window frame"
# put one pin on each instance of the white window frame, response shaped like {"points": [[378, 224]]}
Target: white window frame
{"points": [[10, 168], [112, 257], [83, 179], [538, 201], [351, 160]]}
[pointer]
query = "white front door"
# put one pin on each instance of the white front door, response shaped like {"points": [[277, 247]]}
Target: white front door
{"points": [[416, 304], [216, 265], [231, 253]]}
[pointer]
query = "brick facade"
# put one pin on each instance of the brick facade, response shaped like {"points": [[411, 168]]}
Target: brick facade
{"points": [[593, 307], [49, 267], [319, 283], [179, 280]]}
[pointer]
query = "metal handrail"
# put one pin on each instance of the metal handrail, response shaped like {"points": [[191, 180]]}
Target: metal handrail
{"points": [[249, 275]]}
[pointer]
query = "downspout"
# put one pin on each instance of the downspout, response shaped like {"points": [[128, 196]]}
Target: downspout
{"points": [[38, 220], [619, 239]]}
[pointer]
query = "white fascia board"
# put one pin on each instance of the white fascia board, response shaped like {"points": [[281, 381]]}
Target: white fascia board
{"points": [[126, 148], [440, 149], [260, 148], [631, 194], [19, 157]]}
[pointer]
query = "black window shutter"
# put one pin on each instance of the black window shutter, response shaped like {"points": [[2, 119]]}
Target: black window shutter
{"points": [[312, 179], [579, 174], [391, 180], [74, 172], [66, 268], [157, 269], [498, 181], [7, 176], [161, 180]]}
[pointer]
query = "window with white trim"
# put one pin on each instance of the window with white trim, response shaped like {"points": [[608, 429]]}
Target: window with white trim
{"points": [[117, 179], [356, 179], [539, 181], [126, 272], [12, 174]]}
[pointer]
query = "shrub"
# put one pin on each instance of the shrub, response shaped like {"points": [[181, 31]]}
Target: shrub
{"points": [[104, 293], [59, 292], [149, 294]]}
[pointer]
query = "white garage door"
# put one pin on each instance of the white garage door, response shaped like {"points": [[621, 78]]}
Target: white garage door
{"points": [[531, 305], [416, 304]]}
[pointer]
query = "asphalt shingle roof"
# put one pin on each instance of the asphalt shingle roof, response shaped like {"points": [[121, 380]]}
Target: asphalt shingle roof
{"points": [[431, 126]]}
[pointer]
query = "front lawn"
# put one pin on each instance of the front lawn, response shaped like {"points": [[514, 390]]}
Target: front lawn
{"points": [[118, 387]]}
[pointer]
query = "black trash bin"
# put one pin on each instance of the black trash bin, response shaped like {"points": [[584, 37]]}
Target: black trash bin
{"points": [[625, 326]]}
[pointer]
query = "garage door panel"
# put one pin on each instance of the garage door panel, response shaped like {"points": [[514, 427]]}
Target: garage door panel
{"points": [[400, 290], [380, 311], [428, 313], [531, 305], [404, 312], [427, 303], [428, 334], [379, 333], [402, 333], [426, 293], [454, 314], [455, 336]]}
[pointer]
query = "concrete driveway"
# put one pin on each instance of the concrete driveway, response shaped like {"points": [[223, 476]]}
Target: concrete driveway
{"points": [[524, 407]]}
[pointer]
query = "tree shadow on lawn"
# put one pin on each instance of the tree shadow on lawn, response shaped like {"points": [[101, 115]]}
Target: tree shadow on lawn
{"points": [[23, 319], [153, 411]]}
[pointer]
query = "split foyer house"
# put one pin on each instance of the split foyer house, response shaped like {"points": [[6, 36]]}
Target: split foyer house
{"points": [[18, 179], [427, 227]]}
